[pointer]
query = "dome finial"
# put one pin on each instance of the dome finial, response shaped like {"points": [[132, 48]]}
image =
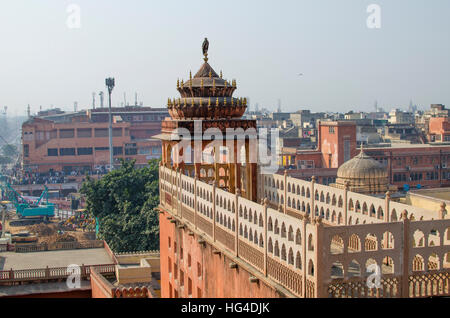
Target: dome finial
{"points": [[205, 47], [362, 153]]}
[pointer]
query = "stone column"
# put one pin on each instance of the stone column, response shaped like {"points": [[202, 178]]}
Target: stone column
{"points": [[214, 210], [320, 272], [237, 166], [266, 203], [285, 191], [387, 215], [313, 196], [248, 172], [261, 184], [171, 191], [405, 259], [177, 185], [236, 237], [442, 213], [306, 220], [195, 203], [345, 202]]}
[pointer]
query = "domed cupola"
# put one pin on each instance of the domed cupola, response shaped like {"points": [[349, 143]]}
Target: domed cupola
{"points": [[363, 175]]}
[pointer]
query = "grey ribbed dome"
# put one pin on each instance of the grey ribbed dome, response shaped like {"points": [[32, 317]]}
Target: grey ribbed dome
{"points": [[363, 174], [362, 167]]}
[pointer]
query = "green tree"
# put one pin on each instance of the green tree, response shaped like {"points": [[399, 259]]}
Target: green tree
{"points": [[125, 201]]}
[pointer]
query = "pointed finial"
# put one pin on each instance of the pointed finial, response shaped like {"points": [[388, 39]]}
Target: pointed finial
{"points": [[190, 75], [178, 83], [182, 83], [220, 73], [226, 84], [245, 101], [362, 150], [205, 47]]}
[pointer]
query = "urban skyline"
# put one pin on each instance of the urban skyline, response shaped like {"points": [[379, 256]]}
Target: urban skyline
{"points": [[344, 65]]}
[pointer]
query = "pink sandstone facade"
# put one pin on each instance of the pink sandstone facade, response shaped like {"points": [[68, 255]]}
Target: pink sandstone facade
{"points": [[229, 230], [319, 242]]}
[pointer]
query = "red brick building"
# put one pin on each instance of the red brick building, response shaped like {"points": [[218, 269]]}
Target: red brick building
{"points": [[336, 145], [79, 141], [439, 129], [415, 165]]}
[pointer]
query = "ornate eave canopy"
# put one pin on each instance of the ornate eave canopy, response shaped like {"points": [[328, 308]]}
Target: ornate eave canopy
{"points": [[206, 96]]}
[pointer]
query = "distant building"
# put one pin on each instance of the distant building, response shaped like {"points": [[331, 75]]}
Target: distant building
{"points": [[278, 116], [438, 110], [354, 116], [402, 133], [414, 165], [397, 116], [439, 129], [78, 141], [305, 117]]}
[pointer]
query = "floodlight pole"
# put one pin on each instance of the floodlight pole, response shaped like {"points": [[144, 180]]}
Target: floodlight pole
{"points": [[110, 84]]}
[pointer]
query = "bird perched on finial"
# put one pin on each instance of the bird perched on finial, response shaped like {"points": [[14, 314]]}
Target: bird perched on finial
{"points": [[205, 47]]}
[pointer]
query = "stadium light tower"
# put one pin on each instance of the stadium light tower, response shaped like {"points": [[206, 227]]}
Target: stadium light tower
{"points": [[110, 84]]}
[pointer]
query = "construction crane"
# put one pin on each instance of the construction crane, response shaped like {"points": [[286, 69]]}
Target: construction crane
{"points": [[28, 213]]}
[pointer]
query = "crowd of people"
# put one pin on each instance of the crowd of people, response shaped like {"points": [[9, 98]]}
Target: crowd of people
{"points": [[19, 177]]}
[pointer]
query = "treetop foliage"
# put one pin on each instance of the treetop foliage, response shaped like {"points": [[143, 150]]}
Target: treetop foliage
{"points": [[125, 201]]}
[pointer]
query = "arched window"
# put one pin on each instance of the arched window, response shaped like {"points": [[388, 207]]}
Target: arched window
{"points": [[283, 230], [310, 243], [298, 237], [298, 261], [291, 257], [283, 252], [290, 234]]}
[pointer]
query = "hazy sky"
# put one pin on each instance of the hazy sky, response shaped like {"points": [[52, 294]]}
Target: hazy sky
{"points": [[146, 45]]}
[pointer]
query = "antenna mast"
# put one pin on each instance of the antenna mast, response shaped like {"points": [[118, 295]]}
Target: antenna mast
{"points": [[101, 98]]}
